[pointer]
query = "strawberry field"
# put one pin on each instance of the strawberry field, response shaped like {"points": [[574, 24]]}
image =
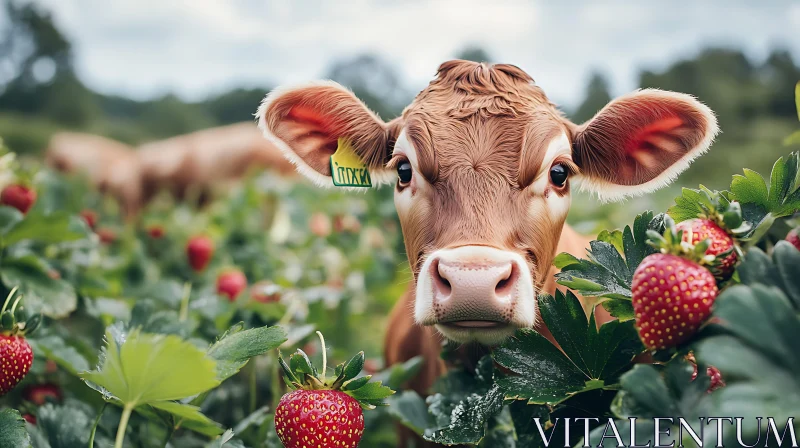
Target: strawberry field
{"points": [[186, 327]]}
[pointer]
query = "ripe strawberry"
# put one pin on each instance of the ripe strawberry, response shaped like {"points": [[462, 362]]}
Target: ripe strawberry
{"points": [[18, 196], [90, 217], [39, 393], [199, 250], [16, 356], [700, 229], [794, 237], [265, 292], [321, 413], [155, 232], [672, 296], [107, 236], [231, 283]]}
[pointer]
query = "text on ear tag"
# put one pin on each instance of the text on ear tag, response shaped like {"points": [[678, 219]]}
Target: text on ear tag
{"points": [[347, 169]]}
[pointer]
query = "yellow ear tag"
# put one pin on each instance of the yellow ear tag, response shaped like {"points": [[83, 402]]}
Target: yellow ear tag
{"points": [[347, 169]]}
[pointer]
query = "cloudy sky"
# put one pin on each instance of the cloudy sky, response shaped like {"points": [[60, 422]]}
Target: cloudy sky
{"points": [[144, 48]]}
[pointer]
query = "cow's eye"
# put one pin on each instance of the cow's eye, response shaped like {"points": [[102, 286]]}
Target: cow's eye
{"points": [[558, 174], [404, 173]]}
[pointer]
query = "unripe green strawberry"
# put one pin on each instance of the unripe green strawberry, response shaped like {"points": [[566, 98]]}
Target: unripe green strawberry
{"points": [[321, 411], [672, 297], [16, 358], [324, 418], [793, 237], [697, 230]]}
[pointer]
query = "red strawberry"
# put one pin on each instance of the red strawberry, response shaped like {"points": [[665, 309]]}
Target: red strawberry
{"points": [[721, 242], [672, 296], [39, 393], [231, 283], [16, 358], [794, 237], [199, 250], [319, 413], [90, 217], [155, 232], [107, 236], [319, 418], [18, 196], [265, 292]]}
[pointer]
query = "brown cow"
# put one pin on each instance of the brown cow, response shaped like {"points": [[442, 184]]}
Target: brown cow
{"points": [[484, 165], [205, 158], [112, 167]]}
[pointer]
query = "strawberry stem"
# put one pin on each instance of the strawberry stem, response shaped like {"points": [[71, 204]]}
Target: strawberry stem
{"points": [[324, 356], [123, 425], [184, 312], [10, 295], [16, 302]]}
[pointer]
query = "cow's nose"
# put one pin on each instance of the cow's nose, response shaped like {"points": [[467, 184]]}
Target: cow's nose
{"points": [[474, 293]]}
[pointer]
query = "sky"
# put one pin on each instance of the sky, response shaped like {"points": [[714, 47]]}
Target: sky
{"points": [[194, 48]]}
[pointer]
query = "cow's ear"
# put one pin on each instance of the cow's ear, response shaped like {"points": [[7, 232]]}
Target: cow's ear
{"points": [[640, 142], [307, 122]]}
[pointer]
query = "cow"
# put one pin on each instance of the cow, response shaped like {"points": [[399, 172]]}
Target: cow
{"points": [[110, 166], [483, 166], [206, 158]]}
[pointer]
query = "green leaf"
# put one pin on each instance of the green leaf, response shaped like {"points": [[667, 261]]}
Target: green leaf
{"points": [[12, 430], [9, 217], [66, 356], [468, 419], [226, 440], [144, 368], [353, 366], [399, 374], [299, 363], [256, 418], [792, 139], [52, 297], [614, 238], [66, 426], [233, 351], [606, 273], [373, 392], [622, 309], [781, 198], [53, 228], [688, 205], [410, 409], [797, 98], [781, 270], [545, 375], [185, 413], [356, 383]]}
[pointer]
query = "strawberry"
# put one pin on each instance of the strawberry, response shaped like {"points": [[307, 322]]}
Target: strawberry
{"points": [[38, 394], [325, 413], [16, 356], [29, 418], [90, 217], [199, 250], [320, 224], [18, 196], [793, 237], [231, 283], [107, 236], [722, 244], [714, 373], [155, 232], [672, 297], [265, 292]]}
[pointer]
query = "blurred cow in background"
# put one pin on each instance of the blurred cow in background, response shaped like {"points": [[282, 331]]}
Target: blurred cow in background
{"points": [[110, 166], [206, 158], [193, 162]]}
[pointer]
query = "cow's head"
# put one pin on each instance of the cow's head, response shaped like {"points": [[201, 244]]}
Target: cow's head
{"points": [[482, 164]]}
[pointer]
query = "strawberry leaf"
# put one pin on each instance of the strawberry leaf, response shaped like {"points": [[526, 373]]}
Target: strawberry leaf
{"points": [[782, 270], [607, 273], [55, 348], [543, 374], [373, 393], [410, 409], [234, 350], [12, 429], [184, 413], [468, 419], [353, 367], [300, 364], [52, 297], [52, 228], [145, 368]]}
